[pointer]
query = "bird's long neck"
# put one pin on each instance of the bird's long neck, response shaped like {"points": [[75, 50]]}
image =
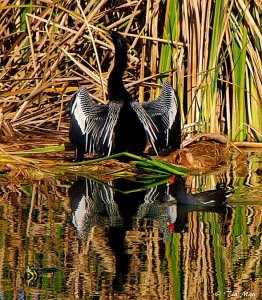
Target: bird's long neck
{"points": [[116, 89]]}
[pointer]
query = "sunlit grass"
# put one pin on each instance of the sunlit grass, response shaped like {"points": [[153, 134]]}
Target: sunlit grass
{"points": [[148, 165], [211, 55]]}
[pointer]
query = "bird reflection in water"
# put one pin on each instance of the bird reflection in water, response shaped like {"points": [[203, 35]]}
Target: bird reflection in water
{"points": [[94, 204], [91, 204]]}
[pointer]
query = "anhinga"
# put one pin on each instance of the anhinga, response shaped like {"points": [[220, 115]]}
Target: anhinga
{"points": [[123, 125]]}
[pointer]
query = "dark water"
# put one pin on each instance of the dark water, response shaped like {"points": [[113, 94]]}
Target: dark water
{"points": [[75, 238]]}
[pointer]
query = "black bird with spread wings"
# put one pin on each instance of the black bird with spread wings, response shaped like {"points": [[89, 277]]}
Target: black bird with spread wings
{"points": [[123, 125]]}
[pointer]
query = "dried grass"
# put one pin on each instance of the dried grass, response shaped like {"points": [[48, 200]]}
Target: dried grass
{"points": [[48, 50]]}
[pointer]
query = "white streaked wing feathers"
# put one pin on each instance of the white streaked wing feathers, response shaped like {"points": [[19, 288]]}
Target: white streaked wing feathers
{"points": [[107, 129], [96, 121], [164, 110], [149, 125]]}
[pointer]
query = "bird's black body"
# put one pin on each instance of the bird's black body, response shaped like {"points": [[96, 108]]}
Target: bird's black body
{"points": [[129, 132], [123, 125]]}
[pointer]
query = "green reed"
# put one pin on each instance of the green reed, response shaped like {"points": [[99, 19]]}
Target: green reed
{"points": [[221, 69]]}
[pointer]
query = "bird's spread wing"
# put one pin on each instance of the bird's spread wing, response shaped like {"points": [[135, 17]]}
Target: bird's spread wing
{"points": [[105, 194], [107, 129], [95, 121], [164, 111], [148, 123]]}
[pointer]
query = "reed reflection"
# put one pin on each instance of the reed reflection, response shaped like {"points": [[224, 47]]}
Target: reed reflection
{"points": [[122, 204]]}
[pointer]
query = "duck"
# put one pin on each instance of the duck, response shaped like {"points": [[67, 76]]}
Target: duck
{"points": [[123, 124]]}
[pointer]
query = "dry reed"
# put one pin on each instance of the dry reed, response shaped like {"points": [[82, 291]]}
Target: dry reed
{"points": [[210, 53]]}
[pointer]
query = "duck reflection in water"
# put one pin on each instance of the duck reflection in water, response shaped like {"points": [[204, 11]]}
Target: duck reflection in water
{"points": [[170, 204], [95, 204]]}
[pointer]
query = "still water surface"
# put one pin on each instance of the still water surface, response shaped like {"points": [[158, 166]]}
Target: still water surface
{"points": [[75, 238]]}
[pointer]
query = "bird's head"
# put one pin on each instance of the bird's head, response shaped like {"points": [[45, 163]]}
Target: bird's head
{"points": [[118, 40]]}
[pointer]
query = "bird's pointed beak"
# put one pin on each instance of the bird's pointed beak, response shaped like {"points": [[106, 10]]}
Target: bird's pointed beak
{"points": [[113, 37], [117, 38], [106, 35]]}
